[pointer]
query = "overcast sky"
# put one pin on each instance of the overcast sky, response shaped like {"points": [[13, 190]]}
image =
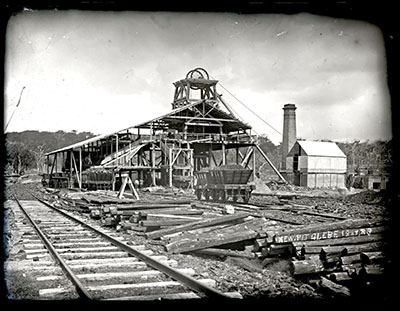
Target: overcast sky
{"points": [[104, 71]]}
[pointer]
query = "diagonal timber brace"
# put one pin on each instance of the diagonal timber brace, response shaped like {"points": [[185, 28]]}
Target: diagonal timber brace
{"points": [[270, 163]]}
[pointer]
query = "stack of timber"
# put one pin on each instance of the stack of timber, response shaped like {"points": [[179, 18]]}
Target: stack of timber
{"points": [[336, 253], [221, 235], [143, 217]]}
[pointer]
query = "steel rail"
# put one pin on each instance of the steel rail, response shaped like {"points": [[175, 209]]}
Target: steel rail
{"points": [[82, 292], [190, 282]]}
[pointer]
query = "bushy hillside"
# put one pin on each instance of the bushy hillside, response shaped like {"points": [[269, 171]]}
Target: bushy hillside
{"points": [[25, 150]]}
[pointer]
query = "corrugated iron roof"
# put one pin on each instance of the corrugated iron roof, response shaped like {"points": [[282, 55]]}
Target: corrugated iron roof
{"points": [[319, 148]]}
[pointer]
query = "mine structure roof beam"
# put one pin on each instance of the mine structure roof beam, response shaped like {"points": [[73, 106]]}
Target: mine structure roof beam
{"points": [[201, 119], [195, 81], [203, 124]]}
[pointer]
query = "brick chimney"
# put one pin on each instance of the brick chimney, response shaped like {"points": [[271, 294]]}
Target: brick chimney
{"points": [[289, 132]]}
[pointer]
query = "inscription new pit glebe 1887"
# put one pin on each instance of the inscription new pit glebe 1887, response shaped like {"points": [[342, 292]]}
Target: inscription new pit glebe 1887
{"points": [[322, 235]]}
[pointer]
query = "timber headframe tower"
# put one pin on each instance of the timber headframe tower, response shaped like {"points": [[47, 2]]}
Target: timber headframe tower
{"points": [[201, 132]]}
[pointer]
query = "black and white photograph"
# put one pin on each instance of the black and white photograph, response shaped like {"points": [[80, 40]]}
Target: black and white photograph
{"points": [[188, 155]]}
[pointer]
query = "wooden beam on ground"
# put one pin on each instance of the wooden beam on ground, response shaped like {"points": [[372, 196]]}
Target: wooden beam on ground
{"points": [[196, 225], [306, 267], [216, 240], [219, 252], [166, 222], [334, 288], [231, 234]]}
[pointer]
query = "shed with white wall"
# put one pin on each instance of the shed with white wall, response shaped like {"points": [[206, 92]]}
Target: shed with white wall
{"points": [[317, 164]]}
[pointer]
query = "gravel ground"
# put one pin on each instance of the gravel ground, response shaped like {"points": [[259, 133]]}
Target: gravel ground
{"points": [[272, 283]]}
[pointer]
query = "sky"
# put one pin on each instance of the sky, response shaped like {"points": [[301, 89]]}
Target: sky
{"points": [[105, 71]]}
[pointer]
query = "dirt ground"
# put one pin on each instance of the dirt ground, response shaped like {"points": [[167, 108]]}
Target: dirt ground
{"points": [[274, 283]]}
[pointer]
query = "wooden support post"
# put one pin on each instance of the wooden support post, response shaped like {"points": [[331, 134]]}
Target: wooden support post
{"points": [[116, 147], [254, 165], [170, 166], [52, 168], [113, 180], [56, 155], [63, 160], [223, 154], [191, 168], [153, 164], [185, 132], [209, 155], [80, 168], [111, 145], [71, 180], [76, 169]]}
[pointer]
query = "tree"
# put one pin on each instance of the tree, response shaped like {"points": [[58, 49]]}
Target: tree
{"points": [[19, 157], [39, 157]]}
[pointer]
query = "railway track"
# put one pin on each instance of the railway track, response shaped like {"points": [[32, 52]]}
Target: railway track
{"points": [[74, 259]]}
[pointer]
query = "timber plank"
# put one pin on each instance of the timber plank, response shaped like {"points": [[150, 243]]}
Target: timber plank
{"points": [[223, 253], [187, 245], [312, 265], [334, 288], [196, 225]]}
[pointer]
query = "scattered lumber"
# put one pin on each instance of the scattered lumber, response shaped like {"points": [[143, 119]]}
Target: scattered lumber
{"points": [[350, 259], [197, 225], [156, 216], [279, 250], [312, 265], [352, 269], [187, 245], [164, 223], [324, 215], [371, 271], [218, 252], [259, 244], [371, 257], [194, 234], [101, 199], [177, 211], [334, 288], [248, 230], [340, 277], [350, 249], [146, 206]]}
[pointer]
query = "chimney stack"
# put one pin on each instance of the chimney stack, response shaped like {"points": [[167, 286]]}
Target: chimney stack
{"points": [[289, 132]]}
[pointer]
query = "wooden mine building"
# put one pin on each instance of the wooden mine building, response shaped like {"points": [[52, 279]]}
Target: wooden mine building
{"points": [[201, 131]]}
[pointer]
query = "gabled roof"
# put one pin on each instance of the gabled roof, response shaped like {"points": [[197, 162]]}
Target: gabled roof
{"points": [[230, 123], [99, 137], [318, 148]]}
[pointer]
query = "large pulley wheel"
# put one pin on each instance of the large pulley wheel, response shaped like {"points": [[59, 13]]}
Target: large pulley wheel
{"points": [[198, 73]]}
